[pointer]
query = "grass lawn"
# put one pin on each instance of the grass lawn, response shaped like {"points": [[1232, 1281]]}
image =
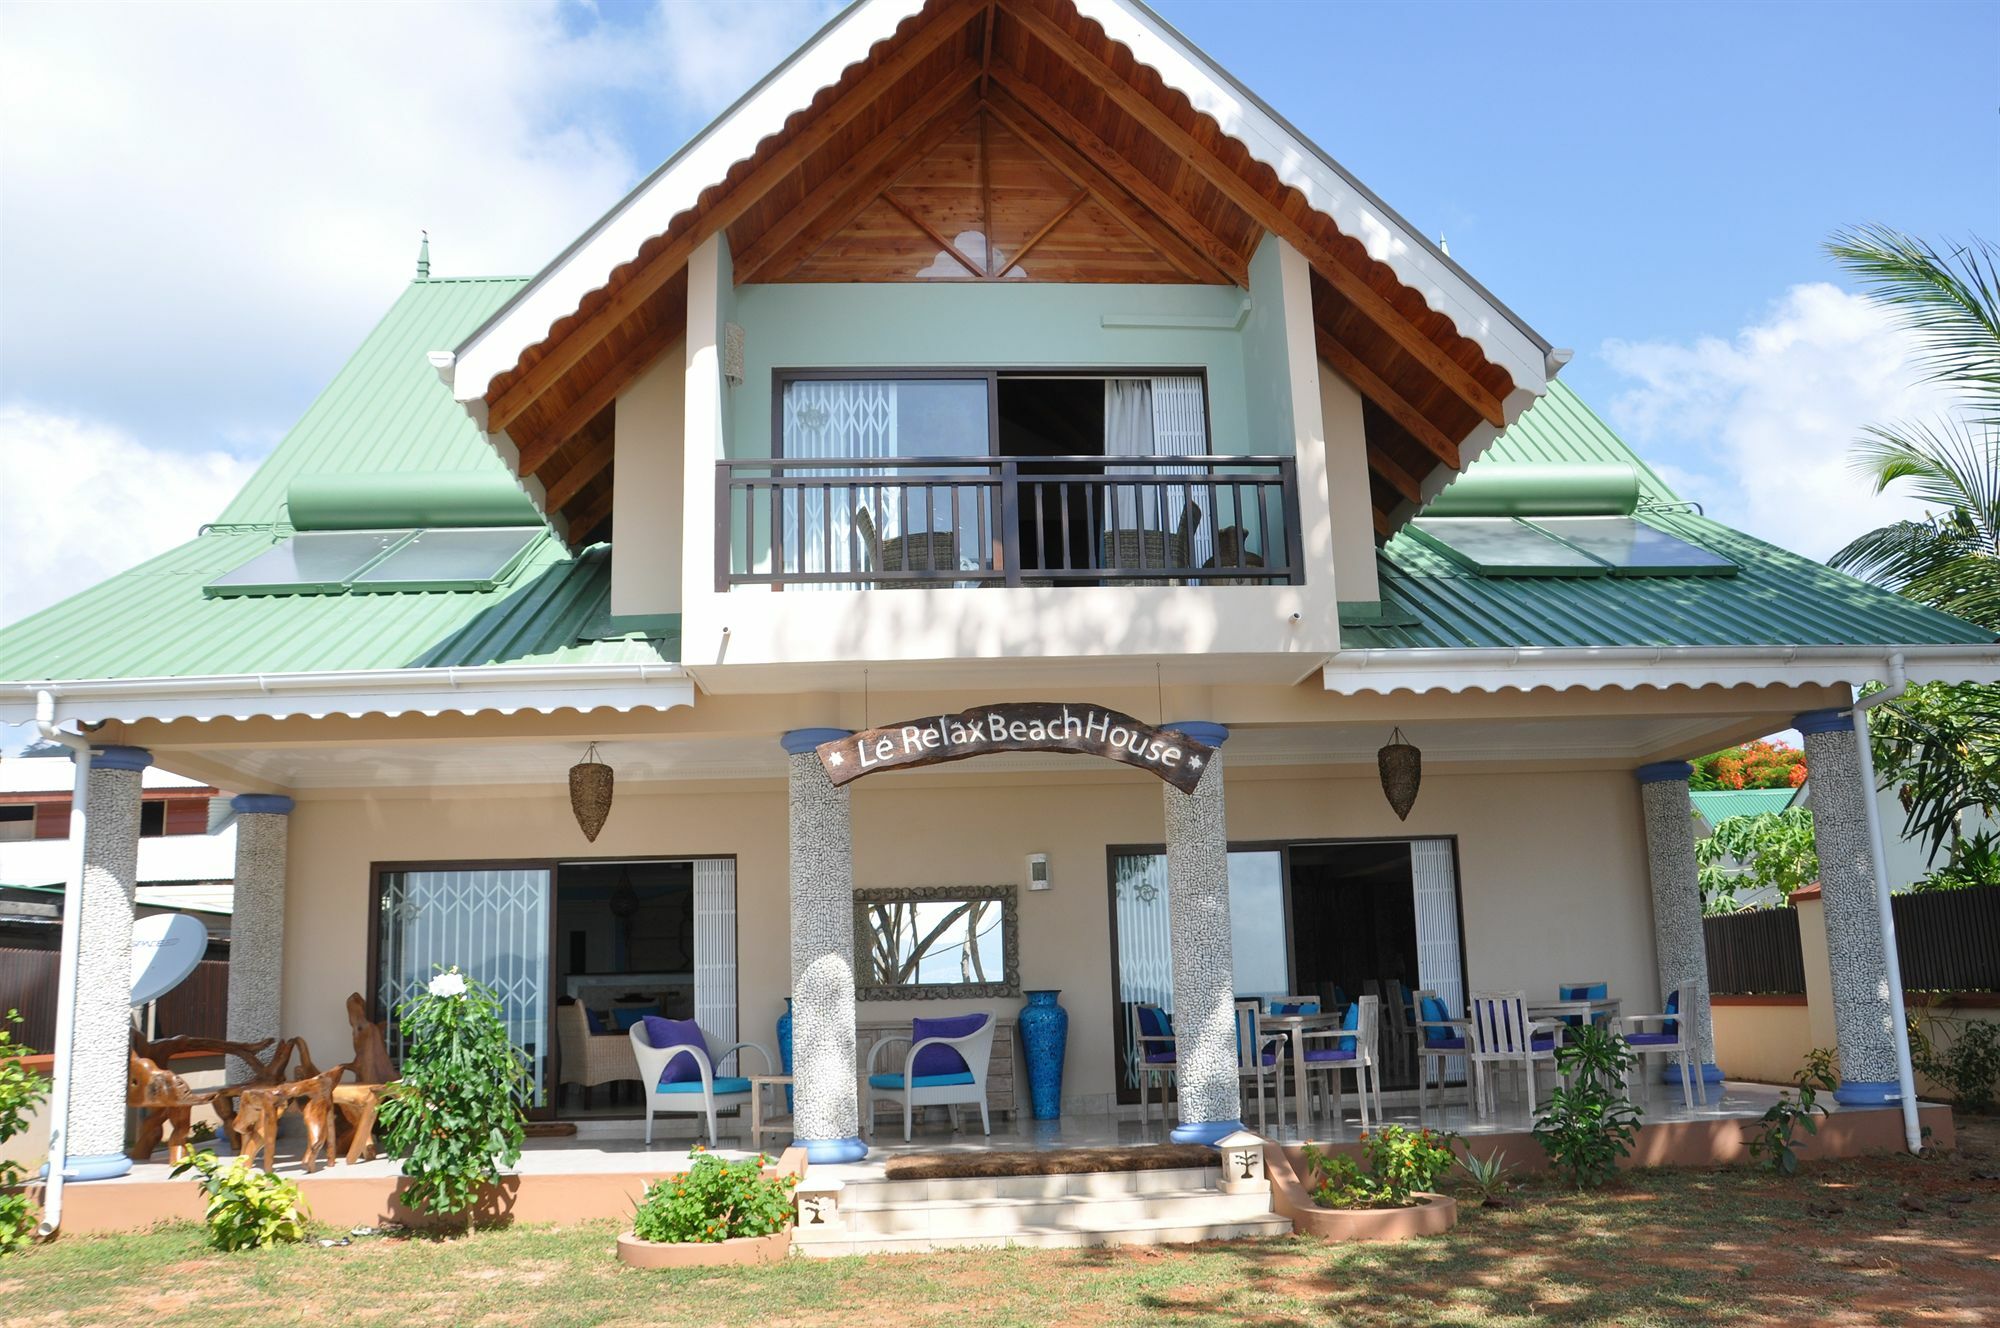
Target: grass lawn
{"points": [[1892, 1240]]}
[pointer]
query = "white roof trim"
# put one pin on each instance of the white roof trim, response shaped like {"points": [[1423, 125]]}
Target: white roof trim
{"points": [[506, 689], [650, 208], [1383, 671]]}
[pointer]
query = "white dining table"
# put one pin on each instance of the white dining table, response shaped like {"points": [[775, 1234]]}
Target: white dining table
{"points": [[1295, 1028]]}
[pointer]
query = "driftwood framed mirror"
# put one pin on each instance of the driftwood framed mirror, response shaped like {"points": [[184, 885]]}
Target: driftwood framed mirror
{"points": [[936, 942]]}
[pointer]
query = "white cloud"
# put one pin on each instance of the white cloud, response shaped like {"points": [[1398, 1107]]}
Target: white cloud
{"points": [[84, 500], [1758, 426]]}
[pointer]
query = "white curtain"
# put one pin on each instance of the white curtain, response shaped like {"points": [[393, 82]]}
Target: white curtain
{"points": [[837, 419], [1145, 941], [715, 954], [1437, 930], [1157, 417]]}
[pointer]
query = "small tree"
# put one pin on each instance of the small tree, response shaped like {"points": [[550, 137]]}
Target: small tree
{"points": [[1755, 765], [20, 1090], [455, 1117], [1772, 849]]}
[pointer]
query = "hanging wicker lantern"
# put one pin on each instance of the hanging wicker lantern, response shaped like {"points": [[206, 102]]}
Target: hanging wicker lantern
{"points": [[1402, 767], [590, 793]]}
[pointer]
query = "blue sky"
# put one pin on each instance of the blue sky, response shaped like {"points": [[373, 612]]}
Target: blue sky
{"points": [[184, 261]]}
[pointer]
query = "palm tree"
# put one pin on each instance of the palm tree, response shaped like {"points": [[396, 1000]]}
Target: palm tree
{"points": [[1951, 304]]}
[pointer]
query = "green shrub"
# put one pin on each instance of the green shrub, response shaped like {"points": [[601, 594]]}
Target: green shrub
{"points": [[1488, 1175], [1967, 1067], [1774, 1137], [715, 1200], [1588, 1125], [247, 1209], [1401, 1164], [456, 1116], [21, 1089]]}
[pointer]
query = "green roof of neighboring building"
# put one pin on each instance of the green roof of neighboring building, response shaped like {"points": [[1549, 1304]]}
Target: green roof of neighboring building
{"points": [[384, 411], [1776, 598], [1718, 805]]}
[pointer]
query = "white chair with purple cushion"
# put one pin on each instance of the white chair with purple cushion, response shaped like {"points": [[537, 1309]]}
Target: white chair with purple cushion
{"points": [[946, 1066], [678, 1071], [1439, 1038], [1260, 1055], [1355, 1046], [1157, 1059], [1504, 1037], [1674, 1038]]}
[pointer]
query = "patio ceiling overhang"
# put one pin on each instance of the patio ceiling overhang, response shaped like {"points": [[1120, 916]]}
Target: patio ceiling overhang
{"points": [[1106, 94], [502, 689], [1387, 671]]}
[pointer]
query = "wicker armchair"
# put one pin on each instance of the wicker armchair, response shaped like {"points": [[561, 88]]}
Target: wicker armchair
{"points": [[922, 551], [588, 1058], [1153, 550]]}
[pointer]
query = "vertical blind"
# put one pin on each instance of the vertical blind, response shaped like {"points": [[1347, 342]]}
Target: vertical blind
{"points": [[1437, 930], [715, 955]]}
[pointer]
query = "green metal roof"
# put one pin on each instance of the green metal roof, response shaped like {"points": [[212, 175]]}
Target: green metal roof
{"points": [[385, 411], [1718, 805], [1776, 598]]}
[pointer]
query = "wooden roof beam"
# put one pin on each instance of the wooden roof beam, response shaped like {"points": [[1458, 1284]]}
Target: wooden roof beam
{"points": [[770, 170], [586, 519], [1349, 365], [586, 466], [536, 453], [1267, 214], [1073, 148], [911, 136], [1402, 481]]}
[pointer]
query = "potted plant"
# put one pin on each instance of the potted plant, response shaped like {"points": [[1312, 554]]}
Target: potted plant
{"points": [[715, 1212], [1393, 1199]]}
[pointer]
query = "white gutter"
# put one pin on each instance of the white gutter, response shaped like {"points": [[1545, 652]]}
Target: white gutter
{"points": [[72, 943], [506, 688], [1906, 1078], [1386, 669]]}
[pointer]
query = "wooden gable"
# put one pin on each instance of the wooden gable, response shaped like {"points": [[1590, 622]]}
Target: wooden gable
{"points": [[1000, 140]]}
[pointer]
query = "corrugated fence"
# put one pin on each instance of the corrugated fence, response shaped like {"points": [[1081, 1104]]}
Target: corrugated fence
{"points": [[199, 1007], [1948, 940]]}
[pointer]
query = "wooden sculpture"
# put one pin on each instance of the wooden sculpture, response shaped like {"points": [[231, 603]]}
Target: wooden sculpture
{"points": [[164, 1100], [356, 1104], [260, 1107]]}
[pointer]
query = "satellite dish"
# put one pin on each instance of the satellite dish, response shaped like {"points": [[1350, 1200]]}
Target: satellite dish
{"points": [[165, 949]]}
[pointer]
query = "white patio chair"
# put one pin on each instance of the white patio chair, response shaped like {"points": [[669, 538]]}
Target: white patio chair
{"points": [[1363, 1058], [1504, 1037], [691, 1097], [1438, 1040], [965, 1087], [1675, 1038], [1155, 1056], [1261, 1056]]}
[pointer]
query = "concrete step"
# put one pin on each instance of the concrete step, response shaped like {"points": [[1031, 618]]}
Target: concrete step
{"points": [[1166, 1232], [1082, 1212], [864, 1194]]}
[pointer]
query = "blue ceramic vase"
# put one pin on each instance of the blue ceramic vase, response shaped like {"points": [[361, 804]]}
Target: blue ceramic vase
{"points": [[785, 1047], [1044, 1029]]}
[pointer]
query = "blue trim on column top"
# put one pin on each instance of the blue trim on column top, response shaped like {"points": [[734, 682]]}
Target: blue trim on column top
{"points": [[1664, 772], [261, 804], [1202, 731], [1856, 1093], [798, 742], [1204, 1132], [1824, 721], [97, 1166], [850, 1149], [120, 758]]}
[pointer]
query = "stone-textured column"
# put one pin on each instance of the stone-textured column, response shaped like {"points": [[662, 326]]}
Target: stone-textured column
{"points": [[1863, 1019], [1679, 944], [257, 926], [94, 1128], [826, 1111], [1211, 1092]]}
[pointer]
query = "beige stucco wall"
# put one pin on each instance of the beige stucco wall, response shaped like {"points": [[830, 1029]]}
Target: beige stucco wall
{"points": [[651, 413], [1763, 1040], [1552, 875]]}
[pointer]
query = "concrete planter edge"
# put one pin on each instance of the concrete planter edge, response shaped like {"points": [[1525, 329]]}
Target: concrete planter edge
{"points": [[704, 1254], [1433, 1215]]}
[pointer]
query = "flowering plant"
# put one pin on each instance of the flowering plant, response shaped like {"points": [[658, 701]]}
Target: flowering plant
{"points": [[715, 1201], [1401, 1164], [451, 982]]}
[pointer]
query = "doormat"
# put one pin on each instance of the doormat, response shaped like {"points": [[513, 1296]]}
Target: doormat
{"points": [[549, 1129], [1056, 1162]]}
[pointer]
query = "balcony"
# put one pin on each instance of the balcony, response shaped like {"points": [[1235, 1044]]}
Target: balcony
{"points": [[929, 522]]}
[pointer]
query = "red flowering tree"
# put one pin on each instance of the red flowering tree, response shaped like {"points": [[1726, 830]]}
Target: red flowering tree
{"points": [[1754, 765]]}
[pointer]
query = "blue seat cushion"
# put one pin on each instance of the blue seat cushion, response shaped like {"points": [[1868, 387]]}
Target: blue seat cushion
{"points": [[1582, 991], [1294, 1007], [1437, 1040], [1320, 1054], [1352, 1019], [724, 1084], [595, 1021], [663, 1033], [944, 1060], [1672, 1027], [627, 1016], [1431, 1010], [1160, 1058], [1542, 1042], [1154, 1022], [894, 1082], [1653, 1039]]}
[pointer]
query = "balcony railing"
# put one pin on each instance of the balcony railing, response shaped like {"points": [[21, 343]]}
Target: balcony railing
{"points": [[883, 522]]}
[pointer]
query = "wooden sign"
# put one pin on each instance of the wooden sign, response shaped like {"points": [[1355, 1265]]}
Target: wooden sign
{"points": [[1030, 726]]}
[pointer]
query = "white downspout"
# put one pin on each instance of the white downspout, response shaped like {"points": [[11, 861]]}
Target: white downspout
{"points": [[1906, 1079], [72, 942]]}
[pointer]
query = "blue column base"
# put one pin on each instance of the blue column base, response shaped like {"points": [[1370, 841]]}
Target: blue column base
{"points": [[1670, 1073], [851, 1149], [1854, 1093], [99, 1166], [1204, 1132]]}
